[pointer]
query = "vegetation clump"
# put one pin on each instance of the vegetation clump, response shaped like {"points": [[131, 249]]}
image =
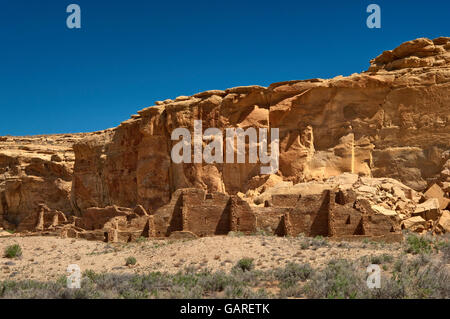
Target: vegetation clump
{"points": [[13, 251]]}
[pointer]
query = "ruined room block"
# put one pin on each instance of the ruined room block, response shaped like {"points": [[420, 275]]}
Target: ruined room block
{"points": [[379, 224], [269, 218], [242, 216], [345, 220], [206, 214], [310, 215], [41, 219], [111, 235], [128, 235], [168, 218], [96, 218]]}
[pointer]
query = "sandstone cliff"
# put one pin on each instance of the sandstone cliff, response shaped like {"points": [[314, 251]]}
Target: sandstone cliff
{"points": [[390, 121], [393, 120], [34, 170]]}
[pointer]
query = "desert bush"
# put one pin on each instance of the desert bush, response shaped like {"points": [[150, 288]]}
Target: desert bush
{"points": [[130, 261], [416, 244], [304, 245], [293, 273], [340, 279], [242, 292], [386, 258], [381, 259], [245, 264], [90, 274], [377, 260], [217, 282], [13, 251], [420, 277], [295, 291], [446, 254], [417, 276]]}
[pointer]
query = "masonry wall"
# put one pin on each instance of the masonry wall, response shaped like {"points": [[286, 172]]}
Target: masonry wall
{"points": [[310, 215], [206, 214], [243, 218], [331, 213], [269, 219]]}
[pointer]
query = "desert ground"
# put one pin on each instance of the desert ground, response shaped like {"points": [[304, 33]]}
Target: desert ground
{"points": [[280, 266], [47, 258]]}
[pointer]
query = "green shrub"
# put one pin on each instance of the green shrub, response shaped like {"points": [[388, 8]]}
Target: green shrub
{"points": [[62, 280], [446, 254], [293, 273], [417, 244], [420, 277], [217, 281], [387, 258], [245, 264], [381, 259], [89, 273], [376, 260], [339, 280], [304, 245], [130, 261], [13, 251]]}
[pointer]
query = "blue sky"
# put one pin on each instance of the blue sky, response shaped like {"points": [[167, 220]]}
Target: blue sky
{"points": [[131, 53]]}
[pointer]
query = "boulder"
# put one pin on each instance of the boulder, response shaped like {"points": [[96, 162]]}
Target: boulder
{"points": [[429, 210], [443, 225], [436, 192], [383, 210], [415, 224]]}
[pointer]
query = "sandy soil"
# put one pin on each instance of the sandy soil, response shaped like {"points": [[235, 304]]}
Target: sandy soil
{"points": [[47, 258]]}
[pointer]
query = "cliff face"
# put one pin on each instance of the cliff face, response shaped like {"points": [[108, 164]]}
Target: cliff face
{"points": [[391, 121], [35, 170]]}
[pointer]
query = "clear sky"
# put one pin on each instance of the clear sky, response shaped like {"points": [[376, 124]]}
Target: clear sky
{"points": [[131, 53]]}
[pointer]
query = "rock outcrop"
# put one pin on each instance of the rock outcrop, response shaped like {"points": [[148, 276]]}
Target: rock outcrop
{"points": [[392, 121], [35, 170]]}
